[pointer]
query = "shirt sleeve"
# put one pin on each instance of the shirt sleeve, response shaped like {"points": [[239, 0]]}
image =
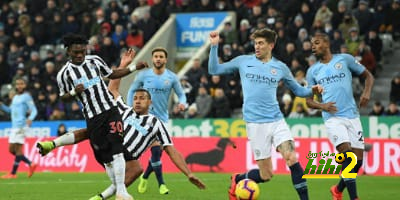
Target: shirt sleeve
{"points": [[31, 105], [136, 84], [293, 85], [62, 82], [310, 77], [354, 66], [215, 68], [104, 68], [162, 134], [122, 107]]}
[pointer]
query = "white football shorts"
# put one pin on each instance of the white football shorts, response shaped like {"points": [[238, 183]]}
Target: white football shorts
{"points": [[263, 135], [17, 135], [341, 130]]}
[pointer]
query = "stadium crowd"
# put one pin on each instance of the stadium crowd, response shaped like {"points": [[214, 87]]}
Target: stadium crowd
{"points": [[31, 33]]}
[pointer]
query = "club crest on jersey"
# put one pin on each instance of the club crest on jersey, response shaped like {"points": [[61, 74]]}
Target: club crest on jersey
{"points": [[166, 82], [338, 66], [273, 71]]}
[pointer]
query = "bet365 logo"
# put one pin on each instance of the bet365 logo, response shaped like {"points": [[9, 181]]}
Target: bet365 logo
{"points": [[325, 164]]}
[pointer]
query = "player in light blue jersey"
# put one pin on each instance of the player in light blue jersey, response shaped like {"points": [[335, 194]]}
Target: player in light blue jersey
{"points": [[260, 74], [159, 81], [21, 105], [340, 112]]}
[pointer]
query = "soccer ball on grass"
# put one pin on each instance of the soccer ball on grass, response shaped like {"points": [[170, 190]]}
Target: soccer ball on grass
{"points": [[247, 189]]}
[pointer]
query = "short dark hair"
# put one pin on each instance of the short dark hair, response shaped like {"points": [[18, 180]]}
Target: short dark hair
{"points": [[157, 49], [269, 35], [72, 38], [324, 36], [145, 91]]}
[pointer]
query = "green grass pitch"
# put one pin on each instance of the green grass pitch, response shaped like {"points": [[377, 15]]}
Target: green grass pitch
{"points": [[84, 185]]}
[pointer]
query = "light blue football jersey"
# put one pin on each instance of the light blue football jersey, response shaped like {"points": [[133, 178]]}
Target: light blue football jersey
{"points": [[259, 84], [160, 87], [336, 79], [21, 104]]}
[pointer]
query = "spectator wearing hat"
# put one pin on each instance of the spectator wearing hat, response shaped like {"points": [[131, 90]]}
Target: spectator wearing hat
{"points": [[353, 41], [11, 24], [338, 15], [349, 21], [204, 102], [395, 89], [364, 17]]}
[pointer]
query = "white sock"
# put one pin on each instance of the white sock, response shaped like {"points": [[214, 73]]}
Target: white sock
{"points": [[111, 189], [119, 173], [67, 138], [107, 193]]}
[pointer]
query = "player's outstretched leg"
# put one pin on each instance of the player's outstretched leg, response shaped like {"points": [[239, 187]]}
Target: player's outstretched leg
{"points": [[45, 147]]}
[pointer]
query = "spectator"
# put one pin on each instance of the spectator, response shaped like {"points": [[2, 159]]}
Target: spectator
{"points": [[363, 16], [50, 73], [337, 41], [377, 109], [86, 24], [392, 22], [135, 38], [204, 102], [5, 71], [11, 24], [149, 27], [41, 104], [158, 11], [215, 84], [4, 38], [294, 29], [244, 32], [338, 16], [100, 19], [393, 110], [194, 74], [50, 10], [307, 14], [54, 108], [353, 41], [234, 93], [324, 14], [395, 89], [108, 51], [229, 33], [375, 43], [57, 114], [24, 23], [18, 38], [119, 34], [40, 29], [30, 47], [349, 22], [74, 113], [20, 73], [61, 130], [220, 106], [191, 112], [13, 55], [177, 113], [56, 28]]}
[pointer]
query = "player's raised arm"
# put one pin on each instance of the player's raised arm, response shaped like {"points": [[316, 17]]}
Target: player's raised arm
{"points": [[214, 67], [179, 162]]}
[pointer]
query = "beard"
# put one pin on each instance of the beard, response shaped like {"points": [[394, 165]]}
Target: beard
{"points": [[158, 66]]}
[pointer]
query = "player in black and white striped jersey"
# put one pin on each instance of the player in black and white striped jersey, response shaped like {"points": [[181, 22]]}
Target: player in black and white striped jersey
{"points": [[141, 129], [81, 79]]}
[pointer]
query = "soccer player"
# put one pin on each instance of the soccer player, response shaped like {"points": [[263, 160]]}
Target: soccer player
{"points": [[21, 105], [159, 81], [340, 112], [81, 78], [142, 129], [260, 74]]}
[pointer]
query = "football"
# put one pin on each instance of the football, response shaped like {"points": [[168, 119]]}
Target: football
{"points": [[247, 189]]}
